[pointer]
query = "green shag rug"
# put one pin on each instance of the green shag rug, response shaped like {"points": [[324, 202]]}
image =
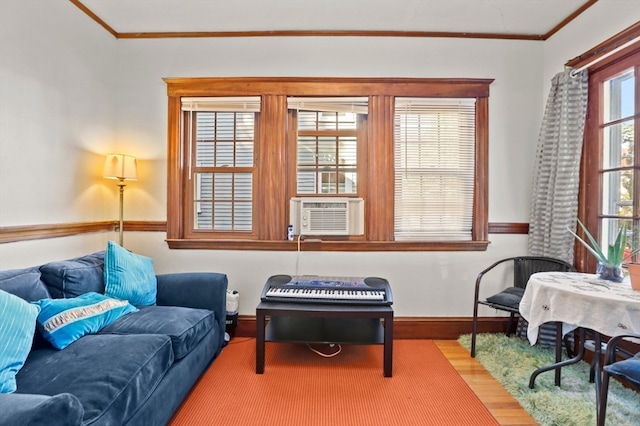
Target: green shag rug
{"points": [[511, 360]]}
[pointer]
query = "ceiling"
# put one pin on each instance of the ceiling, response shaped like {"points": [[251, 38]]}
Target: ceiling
{"points": [[529, 19]]}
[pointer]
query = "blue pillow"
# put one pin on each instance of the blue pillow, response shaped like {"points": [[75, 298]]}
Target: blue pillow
{"points": [[63, 321], [129, 276], [17, 327]]}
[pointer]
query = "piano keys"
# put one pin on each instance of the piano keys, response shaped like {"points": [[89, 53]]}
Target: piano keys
{"points": [[335, 290]]}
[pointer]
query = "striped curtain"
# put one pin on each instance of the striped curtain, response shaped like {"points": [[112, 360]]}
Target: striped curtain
{"points": [[556, 177], [554, 199]]}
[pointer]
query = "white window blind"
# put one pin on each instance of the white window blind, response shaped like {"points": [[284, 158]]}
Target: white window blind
{"points": [[222, 104], [434, 155], [357, 105]]}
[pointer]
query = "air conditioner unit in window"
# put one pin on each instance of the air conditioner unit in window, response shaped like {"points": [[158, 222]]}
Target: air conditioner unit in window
{"points": [[327, 216]]}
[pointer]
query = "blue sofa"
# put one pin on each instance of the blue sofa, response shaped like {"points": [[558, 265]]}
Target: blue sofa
{"points": [[135, 371]]}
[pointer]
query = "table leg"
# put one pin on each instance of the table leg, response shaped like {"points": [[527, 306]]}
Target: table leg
{"points": [[260, 330], [558, 371], [597, 368], [558, 365], [388, 345]]}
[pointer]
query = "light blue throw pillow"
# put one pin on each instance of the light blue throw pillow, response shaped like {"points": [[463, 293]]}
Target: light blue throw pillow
{"points": [[129, 276], [17, 326], [63, 321]]}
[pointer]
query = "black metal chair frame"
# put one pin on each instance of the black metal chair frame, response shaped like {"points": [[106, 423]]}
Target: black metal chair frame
{"points": [[524, 267], [610, 358]]}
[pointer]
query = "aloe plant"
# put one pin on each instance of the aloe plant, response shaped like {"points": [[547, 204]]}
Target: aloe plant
{"points": [[615, 256]]}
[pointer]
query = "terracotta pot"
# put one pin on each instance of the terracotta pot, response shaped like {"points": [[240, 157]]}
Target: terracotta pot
{"points": [[634, 275]]}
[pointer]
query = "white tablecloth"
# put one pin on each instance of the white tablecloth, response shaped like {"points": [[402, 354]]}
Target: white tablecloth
{"points": [[580, 300]]}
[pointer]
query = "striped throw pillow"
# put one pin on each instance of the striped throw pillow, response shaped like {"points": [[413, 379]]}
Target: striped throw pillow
{"points": [[129, 276], [63, 321], [17, 327]]}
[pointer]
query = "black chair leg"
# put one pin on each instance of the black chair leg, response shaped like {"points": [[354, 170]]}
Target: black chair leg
{"points": [[474, 331], [601, 404], [510, 325]]}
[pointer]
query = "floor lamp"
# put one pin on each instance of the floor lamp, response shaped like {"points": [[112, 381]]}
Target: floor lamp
{"points": [[121, 167]]}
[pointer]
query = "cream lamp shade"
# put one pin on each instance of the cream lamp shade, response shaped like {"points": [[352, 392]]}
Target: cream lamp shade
{"points": [[120, 166]]}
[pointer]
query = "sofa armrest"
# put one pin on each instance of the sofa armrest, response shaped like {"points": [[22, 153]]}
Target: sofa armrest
{"points": [[40, 410], [202, 290]]}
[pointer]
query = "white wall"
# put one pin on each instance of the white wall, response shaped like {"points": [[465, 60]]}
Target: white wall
{"points": [[57, 114], [601, 21], [424, 284]]}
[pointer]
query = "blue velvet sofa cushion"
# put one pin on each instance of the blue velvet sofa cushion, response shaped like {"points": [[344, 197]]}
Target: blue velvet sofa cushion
{"points": [[24, 283], [109, 391], [71, 278], [40, 410], [185, 326]]}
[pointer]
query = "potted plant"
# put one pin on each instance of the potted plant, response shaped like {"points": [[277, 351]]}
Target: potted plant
{"points": [[634, 275], [609, 264]]}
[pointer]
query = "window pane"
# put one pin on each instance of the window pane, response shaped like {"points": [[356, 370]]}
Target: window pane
{"points": [[347, 150], [617, 193], [306, 150], [610, 229], [327, 147], [307, 120], [203, 215], [242, 216], [618, 145], [306, 182], [222, 218], [327, 120], [619, 97]]}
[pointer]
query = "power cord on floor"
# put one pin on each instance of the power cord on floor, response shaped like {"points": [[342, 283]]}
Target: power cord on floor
{"points": [[324, 355]]}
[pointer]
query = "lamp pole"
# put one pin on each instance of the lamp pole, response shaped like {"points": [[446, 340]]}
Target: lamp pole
{"points": [[121, 184], [121, 167]]}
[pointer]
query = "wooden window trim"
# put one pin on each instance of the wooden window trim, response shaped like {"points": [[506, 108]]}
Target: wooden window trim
{"points": [[190, 201], [590, 194], [271, 156]]}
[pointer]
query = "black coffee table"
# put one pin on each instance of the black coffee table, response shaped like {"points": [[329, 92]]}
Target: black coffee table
{"points": [[324, 323]]}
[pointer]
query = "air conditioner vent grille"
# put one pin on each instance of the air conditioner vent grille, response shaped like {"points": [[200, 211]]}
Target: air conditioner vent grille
{"points": [[328, 220]]}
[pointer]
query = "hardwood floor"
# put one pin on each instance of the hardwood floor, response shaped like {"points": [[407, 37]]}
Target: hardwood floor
{"points": [[499, 402]]}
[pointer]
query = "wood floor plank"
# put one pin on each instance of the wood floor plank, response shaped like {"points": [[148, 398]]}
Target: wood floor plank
{"points": [[499, 402]]}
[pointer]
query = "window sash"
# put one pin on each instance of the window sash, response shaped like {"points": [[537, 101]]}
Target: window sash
{"points": [[327, 144], [604, 203], [619, 168], [434, 158], [221, 134]]}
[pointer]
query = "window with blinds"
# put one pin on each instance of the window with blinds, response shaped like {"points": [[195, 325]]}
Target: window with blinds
{"points": [[241, 148], [434, 158], [327, 143], [221, 137]]}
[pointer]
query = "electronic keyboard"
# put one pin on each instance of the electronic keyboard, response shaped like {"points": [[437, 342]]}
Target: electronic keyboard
{"points": [[320, 289]]}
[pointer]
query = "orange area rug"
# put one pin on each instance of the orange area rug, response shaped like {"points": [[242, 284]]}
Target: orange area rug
{"points": [[301, 388]]}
